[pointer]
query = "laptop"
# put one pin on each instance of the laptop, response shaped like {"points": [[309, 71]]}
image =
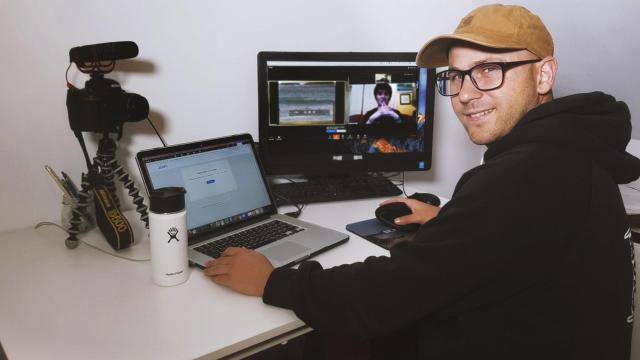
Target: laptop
{"points": [[229, 202]]}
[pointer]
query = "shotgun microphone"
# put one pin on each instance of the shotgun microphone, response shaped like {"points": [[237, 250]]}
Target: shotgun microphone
{"points": [[103, 52]]}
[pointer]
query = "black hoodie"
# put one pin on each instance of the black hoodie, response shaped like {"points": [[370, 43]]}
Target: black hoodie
{"points": [[530, 259]]}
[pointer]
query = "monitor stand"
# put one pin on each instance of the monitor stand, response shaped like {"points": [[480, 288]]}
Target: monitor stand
{"points": [[334, 187]]}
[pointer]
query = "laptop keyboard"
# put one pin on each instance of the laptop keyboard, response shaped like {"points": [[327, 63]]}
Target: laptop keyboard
{"points": [[251, 238]]}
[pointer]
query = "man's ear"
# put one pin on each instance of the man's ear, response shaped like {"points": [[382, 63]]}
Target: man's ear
{"points": [[547, 74]]}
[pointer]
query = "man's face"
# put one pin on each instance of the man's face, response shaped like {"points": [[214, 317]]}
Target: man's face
{"points": [[382, 97], [489, 115]]}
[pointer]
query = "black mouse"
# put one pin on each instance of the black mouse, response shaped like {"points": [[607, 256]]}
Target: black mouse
{"points": [[426, 198], [389, 212]]}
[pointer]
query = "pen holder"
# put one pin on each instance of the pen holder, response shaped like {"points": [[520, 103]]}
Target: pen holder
{"points": [[88, 218]]}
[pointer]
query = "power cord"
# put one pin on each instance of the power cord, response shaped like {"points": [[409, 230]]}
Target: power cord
{"points": [[49, 223], [299, 207]]}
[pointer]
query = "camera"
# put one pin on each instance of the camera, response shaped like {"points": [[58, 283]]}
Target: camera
{"points": [[103, 106]]}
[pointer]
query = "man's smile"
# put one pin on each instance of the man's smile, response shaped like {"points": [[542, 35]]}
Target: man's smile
{"points": [[477, 116]]}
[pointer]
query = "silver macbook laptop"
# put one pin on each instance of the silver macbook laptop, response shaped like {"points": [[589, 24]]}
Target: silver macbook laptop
{"points": [[229, 202]]}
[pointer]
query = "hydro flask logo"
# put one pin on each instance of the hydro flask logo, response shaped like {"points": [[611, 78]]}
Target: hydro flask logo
{"points": [[172, 233]]}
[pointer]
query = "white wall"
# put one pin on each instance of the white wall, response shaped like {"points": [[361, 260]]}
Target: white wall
{"points": [[197, 68]]}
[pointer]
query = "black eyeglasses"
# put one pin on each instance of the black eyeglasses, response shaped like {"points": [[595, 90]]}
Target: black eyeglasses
{"points": [[485, 76]]}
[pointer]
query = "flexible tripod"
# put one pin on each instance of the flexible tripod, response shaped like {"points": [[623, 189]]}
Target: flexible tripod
{"points": [[102, 171]]}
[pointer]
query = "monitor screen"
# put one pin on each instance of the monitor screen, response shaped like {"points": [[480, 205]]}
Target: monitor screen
{"points": [[222, 177], [323, 113]]}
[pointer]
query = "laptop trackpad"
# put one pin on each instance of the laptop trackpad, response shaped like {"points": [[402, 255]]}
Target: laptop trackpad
{"points": [[284, 251]]}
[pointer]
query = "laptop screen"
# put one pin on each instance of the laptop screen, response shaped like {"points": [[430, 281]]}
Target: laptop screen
{"points": [[223, 181]]}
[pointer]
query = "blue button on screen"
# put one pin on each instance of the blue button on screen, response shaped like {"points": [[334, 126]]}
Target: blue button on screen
{"points": [[211, 181]]}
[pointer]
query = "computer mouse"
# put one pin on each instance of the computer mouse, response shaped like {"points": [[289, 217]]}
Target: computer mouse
{"points": [[387, 213], [426, 198]]}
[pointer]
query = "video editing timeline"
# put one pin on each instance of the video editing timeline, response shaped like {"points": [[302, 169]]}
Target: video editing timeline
{"points": [[212, 176], [358, 113]]}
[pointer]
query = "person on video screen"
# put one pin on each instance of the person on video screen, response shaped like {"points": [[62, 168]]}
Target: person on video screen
{"points": [[383, 113]]}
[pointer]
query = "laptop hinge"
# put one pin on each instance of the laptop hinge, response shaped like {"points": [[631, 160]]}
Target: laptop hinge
{"points": [[240, 225]]}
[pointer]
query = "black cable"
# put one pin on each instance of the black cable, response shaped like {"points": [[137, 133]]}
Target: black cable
{"points": [[156, 130], [397, 182], [66, 77], [299, 207], [404, 192], [80, 138]]}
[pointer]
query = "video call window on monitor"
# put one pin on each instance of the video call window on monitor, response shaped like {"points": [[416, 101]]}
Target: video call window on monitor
{"points": [[344, 112]]}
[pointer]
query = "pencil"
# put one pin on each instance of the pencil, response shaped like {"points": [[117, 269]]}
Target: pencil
{"points": [[58, 182]]}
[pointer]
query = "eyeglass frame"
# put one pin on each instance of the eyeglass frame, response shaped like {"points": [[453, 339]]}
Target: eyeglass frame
{"points": [[504, 67]]}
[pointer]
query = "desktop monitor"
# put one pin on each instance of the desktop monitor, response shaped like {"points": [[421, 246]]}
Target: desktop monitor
{"points": [[344, 113]]}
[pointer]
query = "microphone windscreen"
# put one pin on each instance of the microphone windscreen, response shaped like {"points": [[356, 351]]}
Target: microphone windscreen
{"points": [[104, 52]]}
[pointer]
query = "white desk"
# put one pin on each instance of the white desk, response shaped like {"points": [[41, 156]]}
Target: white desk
{"points": [[57, 303]]}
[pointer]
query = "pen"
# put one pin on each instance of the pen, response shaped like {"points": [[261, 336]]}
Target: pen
{"points": [[58, 182], [71, 186], [67, 187]]}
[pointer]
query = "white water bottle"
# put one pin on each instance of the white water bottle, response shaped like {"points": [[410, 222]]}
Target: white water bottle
{"points": [[168, 236]]}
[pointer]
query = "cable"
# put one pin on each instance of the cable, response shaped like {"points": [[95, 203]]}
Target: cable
{"points": [[156, 130], [49, 223], [299, 207], [398, 182], [294, 214], [66, 77]]}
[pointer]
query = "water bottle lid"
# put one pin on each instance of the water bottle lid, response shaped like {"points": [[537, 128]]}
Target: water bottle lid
{"points": [[167, 200]]}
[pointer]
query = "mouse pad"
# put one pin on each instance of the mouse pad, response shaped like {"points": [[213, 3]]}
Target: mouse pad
{"points": [[377, 233]]}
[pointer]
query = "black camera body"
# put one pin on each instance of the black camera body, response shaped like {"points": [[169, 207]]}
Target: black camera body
{"points": [[103, 106]]}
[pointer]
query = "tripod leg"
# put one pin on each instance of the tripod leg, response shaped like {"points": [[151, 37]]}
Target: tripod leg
{"points": [[78, 213], [138, 200], [105, 159]]}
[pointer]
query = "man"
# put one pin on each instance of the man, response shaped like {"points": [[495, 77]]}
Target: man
{"points": [[531, 258], [382, 113]]}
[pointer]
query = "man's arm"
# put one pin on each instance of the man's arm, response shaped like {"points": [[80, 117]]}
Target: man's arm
{"points": [[483, 246], [247, 271]]}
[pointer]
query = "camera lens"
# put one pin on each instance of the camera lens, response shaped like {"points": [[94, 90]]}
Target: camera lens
{"points": [[136, 107]]}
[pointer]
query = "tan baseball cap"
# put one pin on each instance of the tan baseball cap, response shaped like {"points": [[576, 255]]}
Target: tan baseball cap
{"points": [[495, 26]]}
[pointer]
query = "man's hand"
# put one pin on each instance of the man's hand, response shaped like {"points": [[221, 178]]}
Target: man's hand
{"points": [[243, 270], [383, 110], [388, 111], [420, 212]]}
